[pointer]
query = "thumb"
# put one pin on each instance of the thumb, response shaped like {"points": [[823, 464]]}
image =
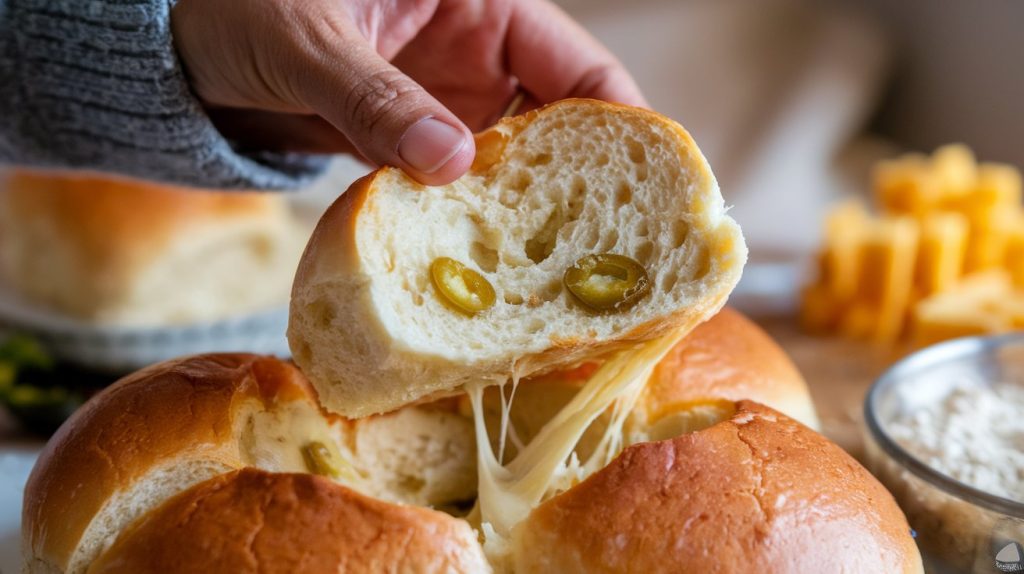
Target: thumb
{"points": [[386, 115]]}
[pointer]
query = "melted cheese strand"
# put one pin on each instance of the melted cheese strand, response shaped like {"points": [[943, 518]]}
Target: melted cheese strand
{"points": [[508, 493], [506, 406]]}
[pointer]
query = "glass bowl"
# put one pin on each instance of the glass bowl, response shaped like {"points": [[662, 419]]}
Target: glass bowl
{"points": [[959, 528]]}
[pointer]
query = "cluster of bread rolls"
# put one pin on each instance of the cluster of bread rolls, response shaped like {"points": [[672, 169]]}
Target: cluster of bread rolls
{"points": [[375, 451]]}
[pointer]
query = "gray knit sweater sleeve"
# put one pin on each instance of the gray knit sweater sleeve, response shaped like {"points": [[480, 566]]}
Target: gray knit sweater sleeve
{"points": [[96, 84]]}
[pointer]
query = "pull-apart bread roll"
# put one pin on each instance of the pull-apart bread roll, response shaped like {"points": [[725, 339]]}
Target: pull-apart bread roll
{"points": [[225, 463], [124, 252], [370, 327], [194, 466], [580, 253]]}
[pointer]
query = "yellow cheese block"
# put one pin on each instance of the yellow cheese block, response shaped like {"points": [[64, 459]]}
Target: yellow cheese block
{"points": [[981, 303], [1014, 261], [840, 263], [940, 257], [955, 170], [944, 258], [887, 259], [906, 186], [988, 239]]}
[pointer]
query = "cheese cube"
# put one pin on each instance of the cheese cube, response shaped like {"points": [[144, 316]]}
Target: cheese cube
{"points": [[887, 263], [941, 251], [906, 186], [1015, 253], [954, 169], [988, 240], [976, 306], [840, 262]]}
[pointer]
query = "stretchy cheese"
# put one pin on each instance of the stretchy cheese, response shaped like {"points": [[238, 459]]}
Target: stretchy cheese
{"points": [[548, 465]]}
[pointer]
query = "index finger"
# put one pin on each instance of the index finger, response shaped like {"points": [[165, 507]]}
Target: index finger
{"points": [[554, 57]]}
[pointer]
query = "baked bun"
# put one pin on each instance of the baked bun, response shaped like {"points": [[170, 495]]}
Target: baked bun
{"points": [[254, 521], [755, 492], [174, 469], [118, 251], [575, 178], [167, 428]]}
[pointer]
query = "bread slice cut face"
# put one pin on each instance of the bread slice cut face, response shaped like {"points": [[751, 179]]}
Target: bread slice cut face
{"points": [[373, 331]]}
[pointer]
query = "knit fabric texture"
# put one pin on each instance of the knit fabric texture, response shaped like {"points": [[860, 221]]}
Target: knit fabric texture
{"points": [[96, 84]]}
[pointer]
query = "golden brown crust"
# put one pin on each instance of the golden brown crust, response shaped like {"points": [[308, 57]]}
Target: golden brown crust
{"points": [[758, 492], [727, 357], [117, 224], [254, 521], [334, 239], [759, 484], [144, 421]]}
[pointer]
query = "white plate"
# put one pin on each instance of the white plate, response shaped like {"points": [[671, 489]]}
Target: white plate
{"points": [[120, 349], [16, 462]]}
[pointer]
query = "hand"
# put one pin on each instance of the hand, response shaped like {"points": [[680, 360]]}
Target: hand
{"points": [[401, 82]]}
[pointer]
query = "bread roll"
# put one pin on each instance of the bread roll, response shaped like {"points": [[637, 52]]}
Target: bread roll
{"points": [[173, 468], [754, 492], [169, 427], [114, 251], [251, 521], [574, 178]]}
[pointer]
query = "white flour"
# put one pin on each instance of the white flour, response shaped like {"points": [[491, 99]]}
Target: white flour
{"points": [[975, 435]]}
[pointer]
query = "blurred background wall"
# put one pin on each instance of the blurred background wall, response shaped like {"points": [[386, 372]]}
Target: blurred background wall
{"points": [[958, 74], [792, 100]]}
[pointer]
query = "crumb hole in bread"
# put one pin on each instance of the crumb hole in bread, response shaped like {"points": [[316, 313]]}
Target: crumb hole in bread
{"points": [[513, 299], [535, 325], [540, 246], [641, 172], [593, 236], [579, 187], [484, 256], [521, 180], [643, 230], [636, 151], [680, 231], [602, 160], [624, 194], [644, 251], [512, 193], [668, 282], [539, 159], [548, 292], [702, 265], [610, 240]]}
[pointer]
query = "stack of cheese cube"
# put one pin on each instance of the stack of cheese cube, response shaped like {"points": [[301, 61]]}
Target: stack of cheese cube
{"points": [[943, 259]]}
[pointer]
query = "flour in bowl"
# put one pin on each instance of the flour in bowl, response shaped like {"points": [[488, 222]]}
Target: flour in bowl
{"points": [[975, 435]]}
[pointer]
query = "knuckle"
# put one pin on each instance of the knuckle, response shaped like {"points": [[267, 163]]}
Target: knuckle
{"points": [[377, 96]]}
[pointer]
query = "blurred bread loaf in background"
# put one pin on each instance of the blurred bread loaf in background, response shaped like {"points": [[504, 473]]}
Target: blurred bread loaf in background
{"points": [[124, 252]]}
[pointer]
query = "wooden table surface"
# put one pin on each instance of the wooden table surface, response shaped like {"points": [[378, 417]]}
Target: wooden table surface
{"points": [[838, 372]]}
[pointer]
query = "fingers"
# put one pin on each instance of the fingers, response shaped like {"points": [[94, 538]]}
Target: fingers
{"points": [[555, 58], [389, 118]]}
